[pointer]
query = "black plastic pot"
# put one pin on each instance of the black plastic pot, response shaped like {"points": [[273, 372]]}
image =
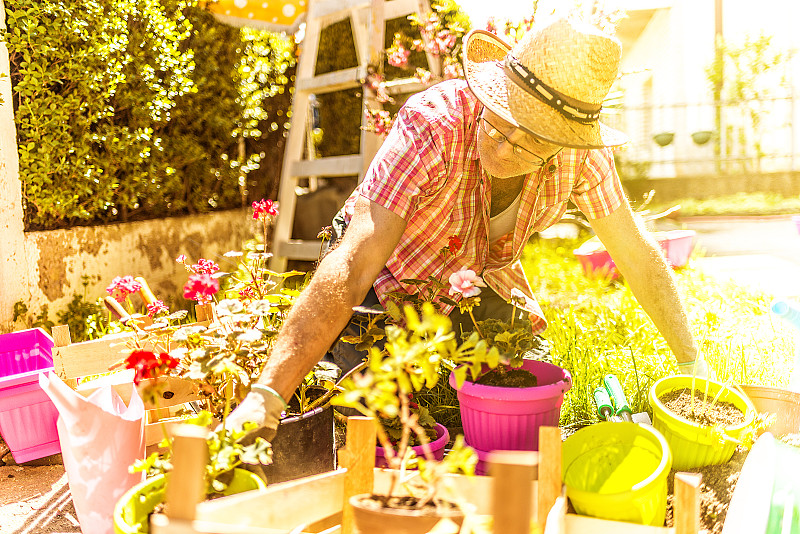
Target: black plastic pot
{"points": [[303, 446]]}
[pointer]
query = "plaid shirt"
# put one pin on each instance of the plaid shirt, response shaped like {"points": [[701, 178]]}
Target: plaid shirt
{"points": [[428, 172]]}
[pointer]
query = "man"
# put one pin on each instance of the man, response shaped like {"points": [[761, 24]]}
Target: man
{"points": [[488, 162]]}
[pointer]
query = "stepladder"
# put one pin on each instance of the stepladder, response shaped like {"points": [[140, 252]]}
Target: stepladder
{"points": [[368, 24]]}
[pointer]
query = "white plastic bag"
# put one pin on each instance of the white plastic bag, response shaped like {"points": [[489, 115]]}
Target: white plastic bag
{"points": [[100, 438]]}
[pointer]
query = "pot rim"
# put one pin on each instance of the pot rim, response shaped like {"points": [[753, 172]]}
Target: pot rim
{"points": [[442, 437], [356, 499], [749, 413], [554, 389]]}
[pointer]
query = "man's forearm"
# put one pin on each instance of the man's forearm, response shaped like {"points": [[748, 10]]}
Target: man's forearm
{"points": [[315, 321], [653, 285]]}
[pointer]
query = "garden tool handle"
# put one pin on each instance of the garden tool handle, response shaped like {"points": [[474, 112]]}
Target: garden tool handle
{"points": [[604, 407], [117, 309], [618, 395], [145, 292]]}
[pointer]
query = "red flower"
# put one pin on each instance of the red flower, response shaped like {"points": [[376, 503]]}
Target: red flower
{"points": [[123, 286], [454, 244], [265, 208], [200, 287], [148, 364]]}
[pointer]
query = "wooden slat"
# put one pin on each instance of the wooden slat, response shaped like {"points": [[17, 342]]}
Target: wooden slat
{"points": [[186, 485], [161, 524], [332, 81], [358, 457], [298, 249], [687, 503], [398, 8], [330, 166], [549, 470], [179, 390], [280, 506], [92, 357], [334, 9], [581, 524], [513, 473]]}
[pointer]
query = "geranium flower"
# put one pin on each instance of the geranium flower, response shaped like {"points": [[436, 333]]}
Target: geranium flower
{"points": [[265, 208], [200, 287], [147, 364], [204, 266], [156, 307], [122, 286], [466, 282], [454, 244], [398, 57]]}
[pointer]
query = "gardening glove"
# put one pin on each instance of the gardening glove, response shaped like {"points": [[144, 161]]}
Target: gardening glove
{"points": [[263, 406], [702, 370]]}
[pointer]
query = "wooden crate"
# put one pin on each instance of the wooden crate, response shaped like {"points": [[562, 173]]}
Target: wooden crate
{"points": [[523, 495], [74, 362]]}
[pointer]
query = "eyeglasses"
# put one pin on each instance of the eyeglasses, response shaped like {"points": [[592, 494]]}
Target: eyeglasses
{"points": [[521, 152]]}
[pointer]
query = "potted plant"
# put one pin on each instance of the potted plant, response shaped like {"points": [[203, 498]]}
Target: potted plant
{"points": [[702, 420], [227, 452], [410, 361], [503, 404]]}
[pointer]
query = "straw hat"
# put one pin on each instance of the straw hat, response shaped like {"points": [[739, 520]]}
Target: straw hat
{"points": [[551, 84]]}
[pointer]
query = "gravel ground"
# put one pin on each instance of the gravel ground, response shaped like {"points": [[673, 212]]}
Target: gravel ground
{"points": [[34, 497]]}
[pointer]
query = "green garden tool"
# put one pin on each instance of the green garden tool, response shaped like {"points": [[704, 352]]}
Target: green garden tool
{"points": [[612, 405]]}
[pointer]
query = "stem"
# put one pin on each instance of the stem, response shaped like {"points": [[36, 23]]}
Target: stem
{"points": [[477, 328]]}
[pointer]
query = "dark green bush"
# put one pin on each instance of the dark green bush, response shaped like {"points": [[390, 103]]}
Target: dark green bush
{"points": [[131, 109]]}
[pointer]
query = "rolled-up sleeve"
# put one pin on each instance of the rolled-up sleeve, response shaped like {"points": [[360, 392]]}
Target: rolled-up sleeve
{"points": [[598, 191]]}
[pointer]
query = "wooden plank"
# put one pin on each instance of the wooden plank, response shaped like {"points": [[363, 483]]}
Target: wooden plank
{"points": [[92, 357], [186, 486], [394, 9], [174, 390], [513, 473], [549, 471], [687, 503], [161, 524], [332, 81], [298, 249], [581, 524], [63, 338], [330, 166], [280, 506], [358, 457], [334, 10]]}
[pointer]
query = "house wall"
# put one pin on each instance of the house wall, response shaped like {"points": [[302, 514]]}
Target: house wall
{"points": [[666, 87], [57, 262]]}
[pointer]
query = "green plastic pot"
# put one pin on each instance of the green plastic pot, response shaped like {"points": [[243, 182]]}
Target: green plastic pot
{"points": [[692, 444], [767, 495], [132, 512], [617, 471]]}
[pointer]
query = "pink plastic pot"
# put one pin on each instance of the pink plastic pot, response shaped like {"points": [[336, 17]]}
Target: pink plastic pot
{"points": [[498, 418], [796, 220], [27, 415], [677, 246], [437, 447]]}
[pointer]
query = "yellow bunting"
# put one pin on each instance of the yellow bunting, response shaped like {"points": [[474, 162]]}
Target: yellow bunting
{"points": [[273, 15]]}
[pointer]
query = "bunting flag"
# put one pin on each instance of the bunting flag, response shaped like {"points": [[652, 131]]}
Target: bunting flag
{"points": [[273, 15]]}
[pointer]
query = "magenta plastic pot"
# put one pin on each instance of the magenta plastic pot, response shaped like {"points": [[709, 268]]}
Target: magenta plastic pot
{"points": [[437, 447], [498, 418], [27, 415]]}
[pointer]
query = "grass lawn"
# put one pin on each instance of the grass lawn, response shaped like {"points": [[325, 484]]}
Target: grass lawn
{"points": [[596, 327]]}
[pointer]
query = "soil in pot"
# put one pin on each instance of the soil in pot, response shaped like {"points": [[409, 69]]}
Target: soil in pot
{"points": [[378, 514], [701, 410], [505, 377]]}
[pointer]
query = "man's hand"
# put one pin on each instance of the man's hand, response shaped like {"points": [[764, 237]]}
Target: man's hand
{"points": [[261, 406]]}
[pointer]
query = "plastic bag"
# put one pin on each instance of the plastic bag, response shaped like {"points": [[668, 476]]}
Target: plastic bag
{"points": [[100, 438]]}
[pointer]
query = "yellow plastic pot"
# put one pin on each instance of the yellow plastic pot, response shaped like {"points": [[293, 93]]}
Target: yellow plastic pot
{"points": [[617, 471], [692, 444], [132, 512]]}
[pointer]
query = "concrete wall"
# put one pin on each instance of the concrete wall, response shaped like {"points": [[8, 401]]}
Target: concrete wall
{"points": [[56, 262], [713, 185]]}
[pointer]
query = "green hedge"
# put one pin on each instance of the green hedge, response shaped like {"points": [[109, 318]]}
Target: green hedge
{"points": [[132, 109]]}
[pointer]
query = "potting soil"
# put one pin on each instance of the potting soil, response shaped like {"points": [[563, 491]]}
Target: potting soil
{"points": [[508, 378], [701, 409]]}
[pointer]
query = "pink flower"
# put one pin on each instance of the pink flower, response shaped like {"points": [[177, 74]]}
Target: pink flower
{"points": [[451, 71], [398, 56], [181, 258], [123, 286], [422, 75], [379, 121], [156, 307], [204, 266], [466, 282], [265, 208], [201, 288]]}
